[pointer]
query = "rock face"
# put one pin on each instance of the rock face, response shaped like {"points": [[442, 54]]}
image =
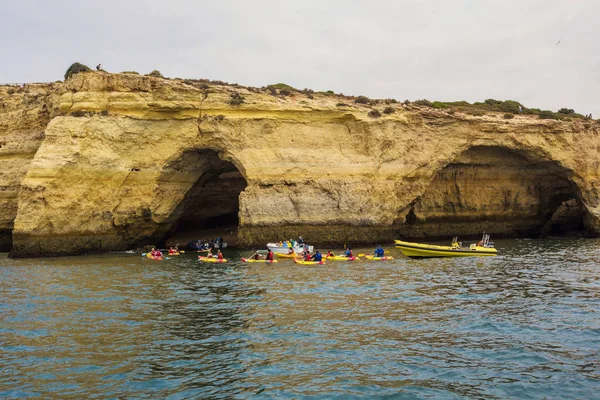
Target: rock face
{"points": [[128, 159]]}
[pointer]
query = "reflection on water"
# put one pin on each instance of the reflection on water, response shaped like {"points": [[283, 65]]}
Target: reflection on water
{"points": [[524, 324]]}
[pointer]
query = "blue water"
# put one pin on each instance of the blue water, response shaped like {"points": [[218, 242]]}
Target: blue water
{"points": [[525, 324]]}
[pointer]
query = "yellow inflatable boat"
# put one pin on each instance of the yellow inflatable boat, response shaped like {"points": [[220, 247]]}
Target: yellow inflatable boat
{"points": [[421, 250]]}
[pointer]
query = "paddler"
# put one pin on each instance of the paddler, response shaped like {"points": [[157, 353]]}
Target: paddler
{"points": [[379, 251], [306, 255], [209, 253], [219, 255], [256, 256], [290, 251], [172, 250], [317, 257], [329, 254], [269, 255], [348, 253]]}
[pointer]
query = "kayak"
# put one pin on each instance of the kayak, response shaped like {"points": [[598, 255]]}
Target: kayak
{"points": [[258, 261], [212, 259], [341, 258], [386, 258], [281, 255], [150, 256], [309, 262], [173, 254], [421, 250]]}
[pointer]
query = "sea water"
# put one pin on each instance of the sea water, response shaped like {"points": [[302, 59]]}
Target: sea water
{"points": [[524, 324]]}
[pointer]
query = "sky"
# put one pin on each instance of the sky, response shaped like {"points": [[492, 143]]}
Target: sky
{"points": [[404, 49]]}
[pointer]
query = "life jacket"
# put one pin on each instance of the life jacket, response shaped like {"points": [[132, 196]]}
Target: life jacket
{"points": [[307, 256], [220, 256], [270, 256]]}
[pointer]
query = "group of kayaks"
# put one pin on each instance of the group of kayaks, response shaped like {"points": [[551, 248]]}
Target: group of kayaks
{"points": [[297, 259], [410, 249]]}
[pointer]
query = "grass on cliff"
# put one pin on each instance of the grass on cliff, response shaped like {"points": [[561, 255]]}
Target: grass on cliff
{"points": [[501, 106]]}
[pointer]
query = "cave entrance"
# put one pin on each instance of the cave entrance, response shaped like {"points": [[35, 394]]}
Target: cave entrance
{"points": [[210, 206], [499, 191]]}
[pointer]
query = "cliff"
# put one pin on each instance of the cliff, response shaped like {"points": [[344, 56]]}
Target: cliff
{"points": [[118, 160]]}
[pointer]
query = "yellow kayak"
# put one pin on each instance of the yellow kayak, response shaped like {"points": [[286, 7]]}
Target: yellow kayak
{"points": [[341, 258], [308, 262], [211, 259], [282, 255], [258, 261], [420, 250], [173, 254], [371, 257]]}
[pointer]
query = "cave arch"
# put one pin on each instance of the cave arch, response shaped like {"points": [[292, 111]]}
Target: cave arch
{"points": [[502, 191], [203, 188]]}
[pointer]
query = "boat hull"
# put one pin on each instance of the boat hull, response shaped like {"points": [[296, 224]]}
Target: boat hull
{"points": [[420, 250], [309, 262], [249, 260], [274, 247]]}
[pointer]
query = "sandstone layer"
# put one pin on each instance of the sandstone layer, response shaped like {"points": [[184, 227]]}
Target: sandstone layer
{"points": [[126, 160]]}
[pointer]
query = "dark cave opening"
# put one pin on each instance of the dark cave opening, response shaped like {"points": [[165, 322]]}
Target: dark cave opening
{"points": [[210, 207], [499, 191]]}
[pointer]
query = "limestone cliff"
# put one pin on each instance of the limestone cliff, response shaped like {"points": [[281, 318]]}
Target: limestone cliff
{"points": [[129, 159], [24, 113]]}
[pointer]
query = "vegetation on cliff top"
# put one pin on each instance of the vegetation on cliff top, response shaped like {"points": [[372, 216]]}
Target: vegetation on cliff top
{"points": [[76, 68], [505, 107]]}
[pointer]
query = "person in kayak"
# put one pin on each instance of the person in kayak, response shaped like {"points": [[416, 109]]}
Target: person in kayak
{"points": [[348, 253], [219, 255], [290, 251], [300, 240], [269, 255], [209, 253], [317, 257], [256, 256], [379, 252], [172, 250], [329, 254], [306, 255]]}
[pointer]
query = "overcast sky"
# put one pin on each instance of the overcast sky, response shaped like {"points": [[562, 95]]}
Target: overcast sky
{"points": [[404, 49]]}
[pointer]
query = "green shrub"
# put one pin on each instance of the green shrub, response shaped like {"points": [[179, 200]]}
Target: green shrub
{"points": [[155, 74], [310, 96], [76, 68], [547, 114], [510, 106], [389, 110], [236, 99], [362, 100], [509, 116], [282, 86], [390, 101], [130, 72], [439, 104], [341, 105], [566, 111], [493, 102], [308, 91], [423, 102], [10, 91], [532, 111], [220, 117], [104, 113], [374, 114], [285, 92]]}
